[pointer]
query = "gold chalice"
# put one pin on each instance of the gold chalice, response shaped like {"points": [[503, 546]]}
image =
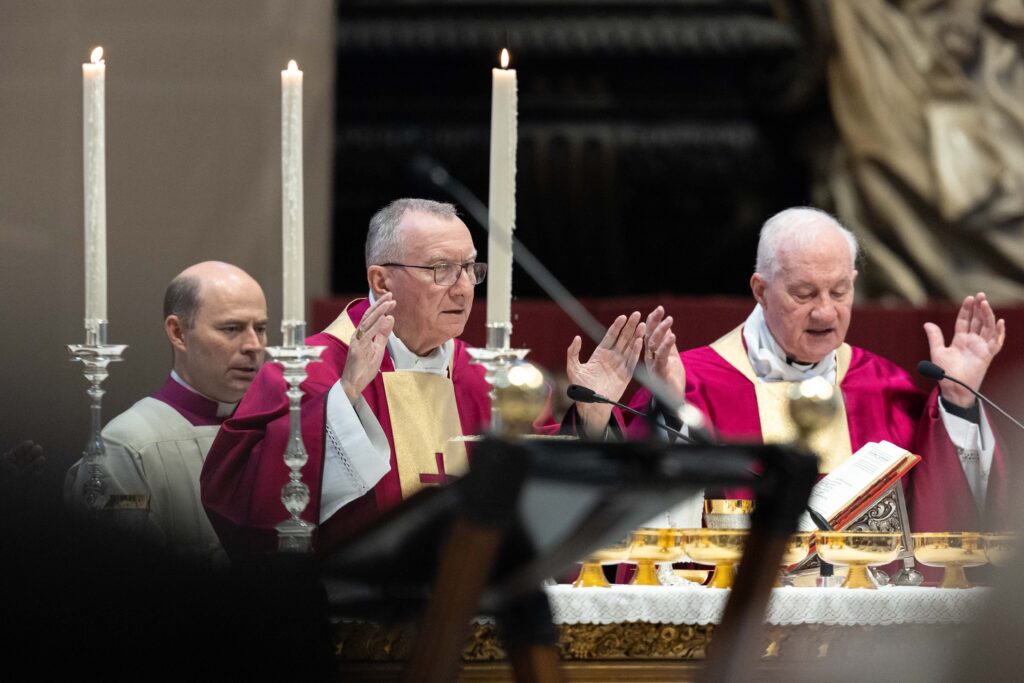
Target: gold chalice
{"points": [[650, 546], [591, 572], [797, 548], [728, 513], [720, 547], [952, 550], [858, 550], [1000, 547]]}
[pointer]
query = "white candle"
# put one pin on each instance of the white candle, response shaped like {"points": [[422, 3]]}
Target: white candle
{"points": [[95, 177], [502, 195], [291, 194]]}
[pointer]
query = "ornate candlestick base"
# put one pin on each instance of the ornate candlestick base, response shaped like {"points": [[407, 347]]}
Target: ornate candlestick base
{"points": [[95, 355], [295, 534], [497, 358]]}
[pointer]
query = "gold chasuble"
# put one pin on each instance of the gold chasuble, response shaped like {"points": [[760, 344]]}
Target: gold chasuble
{"points": [[831, 443], [424, 416]]}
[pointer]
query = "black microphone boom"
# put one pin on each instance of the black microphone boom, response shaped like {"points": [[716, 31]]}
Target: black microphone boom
{"points": [[933, 371], [582, 394]]}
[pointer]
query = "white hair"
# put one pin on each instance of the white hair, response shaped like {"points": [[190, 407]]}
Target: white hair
{"points": [[383, 243], [797, 227]]}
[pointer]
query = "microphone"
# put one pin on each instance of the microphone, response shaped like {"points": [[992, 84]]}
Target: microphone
{"points": [[933, 371], [582, 394]]}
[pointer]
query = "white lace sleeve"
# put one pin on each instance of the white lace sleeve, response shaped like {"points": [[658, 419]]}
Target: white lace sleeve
{"points": [[975, 445], [357, 453]]}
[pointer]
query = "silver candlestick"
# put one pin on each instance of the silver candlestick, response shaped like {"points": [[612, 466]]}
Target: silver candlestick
{"points": [[497, 358], [95, 355], [295, 534]]}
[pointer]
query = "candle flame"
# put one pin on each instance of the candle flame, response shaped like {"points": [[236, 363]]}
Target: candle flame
{"points": [[504, 58], [293, 66], [97, 55]]}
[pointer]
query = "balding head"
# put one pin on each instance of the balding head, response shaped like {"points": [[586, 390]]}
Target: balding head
{"points": [[215, 316]]}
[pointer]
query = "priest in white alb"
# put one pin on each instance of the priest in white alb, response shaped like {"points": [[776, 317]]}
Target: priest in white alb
{"points": [[215, 317]]}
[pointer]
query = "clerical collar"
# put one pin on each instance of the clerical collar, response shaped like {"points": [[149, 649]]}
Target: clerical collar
{"points": [[223, 409], [770, 362], [436, 362]]}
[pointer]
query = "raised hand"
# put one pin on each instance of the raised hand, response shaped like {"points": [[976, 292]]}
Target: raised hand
{"points": [[367, 347], [977, 338], [661, 355], [609, 369]]}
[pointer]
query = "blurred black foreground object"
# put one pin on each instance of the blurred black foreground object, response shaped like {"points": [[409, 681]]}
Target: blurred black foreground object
{"points": [[83, 598], [529, 510]]}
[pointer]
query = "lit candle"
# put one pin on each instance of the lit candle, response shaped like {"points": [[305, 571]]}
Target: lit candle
{"points": [[291, 194], [95, 177], [502, 195]]}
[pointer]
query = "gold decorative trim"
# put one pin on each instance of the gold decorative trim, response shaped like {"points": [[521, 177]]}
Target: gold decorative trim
{"points": [[362, 641], [634, 640], [343, 328]]}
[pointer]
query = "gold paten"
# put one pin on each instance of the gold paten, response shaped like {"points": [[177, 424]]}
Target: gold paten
{"points": [[831, 442], [650, 546], [1001, 547], [858, 550], [952, 550], [720, 547]]}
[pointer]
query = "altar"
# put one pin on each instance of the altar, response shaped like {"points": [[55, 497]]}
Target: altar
{"points": [[646, 633]]}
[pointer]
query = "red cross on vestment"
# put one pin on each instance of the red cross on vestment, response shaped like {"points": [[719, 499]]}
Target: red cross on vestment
{"points": [[441, 477]]}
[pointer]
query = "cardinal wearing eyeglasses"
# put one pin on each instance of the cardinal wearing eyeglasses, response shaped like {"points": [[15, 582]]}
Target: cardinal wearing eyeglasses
{"points": [[395, 384]]}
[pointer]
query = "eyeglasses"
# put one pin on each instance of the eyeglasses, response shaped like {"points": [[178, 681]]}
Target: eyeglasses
{"points": [[447, 274]]}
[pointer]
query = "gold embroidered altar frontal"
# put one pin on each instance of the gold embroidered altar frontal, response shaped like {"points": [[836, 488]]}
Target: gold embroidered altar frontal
{"points": [[639, 651], [642, 633]]}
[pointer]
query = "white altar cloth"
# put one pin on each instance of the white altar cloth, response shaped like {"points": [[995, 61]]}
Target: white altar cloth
{"points": [[787, 606]]}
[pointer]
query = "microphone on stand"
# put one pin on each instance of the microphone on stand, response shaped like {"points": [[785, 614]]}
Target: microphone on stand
{"points": [[582, 394], [933, 371]]}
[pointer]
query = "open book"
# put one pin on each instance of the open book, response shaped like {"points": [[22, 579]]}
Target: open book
{"points": [[848, 490]]}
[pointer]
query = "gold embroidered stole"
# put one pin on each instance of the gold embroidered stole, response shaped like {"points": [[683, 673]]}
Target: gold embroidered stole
{"points": [[424, 416], [831, 443]]}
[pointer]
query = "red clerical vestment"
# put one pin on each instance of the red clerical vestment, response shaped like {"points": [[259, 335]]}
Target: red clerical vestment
{"points": [[881, 402], [244, 470]]}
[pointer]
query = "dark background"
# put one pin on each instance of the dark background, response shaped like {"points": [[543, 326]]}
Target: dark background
{"points": [[654, 137]]}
